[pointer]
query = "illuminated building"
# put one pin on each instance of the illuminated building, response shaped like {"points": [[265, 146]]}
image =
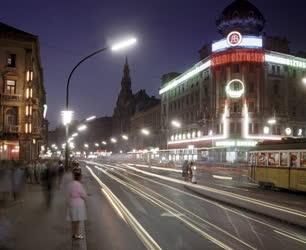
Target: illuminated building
{"points": [[243, 81], [23, 128]]}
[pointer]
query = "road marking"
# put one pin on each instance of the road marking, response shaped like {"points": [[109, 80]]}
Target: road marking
{"points": [[219, 177], [289, 236], [143, 235], [158, 168], [167, 214], [172, 210]]}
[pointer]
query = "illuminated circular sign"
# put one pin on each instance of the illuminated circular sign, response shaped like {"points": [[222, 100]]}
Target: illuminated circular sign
{"points": [[234, 38], [235, 88]]}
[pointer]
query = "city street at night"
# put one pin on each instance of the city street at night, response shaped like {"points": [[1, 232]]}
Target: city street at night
{"points": [[176, 125]]}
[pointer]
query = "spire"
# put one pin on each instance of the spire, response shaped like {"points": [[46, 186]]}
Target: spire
{"points": [[126, 79]]}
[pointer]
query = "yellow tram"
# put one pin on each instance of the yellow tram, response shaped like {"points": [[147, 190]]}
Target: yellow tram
{"points": [[280, 164]]}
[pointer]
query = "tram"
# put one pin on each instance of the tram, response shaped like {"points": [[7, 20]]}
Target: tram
{"points": [[280, 164]]}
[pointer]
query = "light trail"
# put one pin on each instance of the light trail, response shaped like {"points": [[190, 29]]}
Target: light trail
{"points": [[143, 235], [139, 189], [202, 199], [291, 237], [225, 193]]}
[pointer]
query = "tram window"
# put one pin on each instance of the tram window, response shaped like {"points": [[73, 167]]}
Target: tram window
{"points": [[303, 159], [273, 159], [293, 159], [284, 159], [262, 161]]}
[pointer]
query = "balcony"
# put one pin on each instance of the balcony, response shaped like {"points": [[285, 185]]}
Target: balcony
{"points": [[10, 98], [12, 129]]}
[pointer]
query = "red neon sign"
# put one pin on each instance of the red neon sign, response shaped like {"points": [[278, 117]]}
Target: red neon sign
{"points": [[238, 56]]}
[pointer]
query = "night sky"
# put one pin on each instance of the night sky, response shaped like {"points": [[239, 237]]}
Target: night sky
{"points": [[170, 33]]}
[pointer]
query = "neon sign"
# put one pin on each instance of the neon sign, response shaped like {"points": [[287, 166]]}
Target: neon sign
{"points": [[251, 42], [235, 88], [234, 38], [238, 56]]}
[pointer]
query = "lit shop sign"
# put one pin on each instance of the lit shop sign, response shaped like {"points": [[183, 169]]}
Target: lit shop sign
{"points": [[235, 39], [286, 60], [233, 143], [235, 88], [185, 76], [237, 57]]}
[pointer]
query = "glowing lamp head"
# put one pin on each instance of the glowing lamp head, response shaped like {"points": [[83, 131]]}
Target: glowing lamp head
{"points": [[176, 124], [125, 137], [145, 131], [67, 117], [82, 127], [113, 140], [91, 118], [124, 44], [304, 81], [272, 121]]}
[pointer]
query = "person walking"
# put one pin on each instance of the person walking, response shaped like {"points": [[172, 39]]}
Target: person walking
{"points": [[190, 171], [76, 196], [60, 172], [185, 170]]}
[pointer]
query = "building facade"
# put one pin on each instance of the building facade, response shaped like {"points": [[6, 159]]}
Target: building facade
{"points": [[247, 88], [22, 95], [149, 119]]}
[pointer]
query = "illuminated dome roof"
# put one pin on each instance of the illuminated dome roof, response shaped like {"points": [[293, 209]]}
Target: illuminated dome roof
{"points": [[242, 16]]}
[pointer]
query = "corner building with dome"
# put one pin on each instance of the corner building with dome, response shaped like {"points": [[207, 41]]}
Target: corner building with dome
{"points": [[248, 87]]}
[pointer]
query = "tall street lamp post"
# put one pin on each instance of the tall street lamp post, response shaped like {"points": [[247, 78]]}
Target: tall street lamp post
{"points": [[67, 114]]}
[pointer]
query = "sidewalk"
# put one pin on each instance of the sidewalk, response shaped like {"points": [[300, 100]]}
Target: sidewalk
{"points": [[28, 224]]}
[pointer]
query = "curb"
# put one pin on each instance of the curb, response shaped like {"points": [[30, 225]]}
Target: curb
{"points": [[268, 213]]}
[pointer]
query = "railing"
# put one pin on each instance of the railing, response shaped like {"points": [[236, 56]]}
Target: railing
{"points": [[14, 129], [10, 97]]}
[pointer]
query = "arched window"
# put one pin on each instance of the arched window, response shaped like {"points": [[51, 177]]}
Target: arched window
{"points": [[11, 117]]}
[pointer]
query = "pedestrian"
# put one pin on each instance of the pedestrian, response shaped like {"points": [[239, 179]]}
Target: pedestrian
{"points": [[190, 171], [185, 170], [76, 211], [60, 172], [194, 173], [48, 180]]}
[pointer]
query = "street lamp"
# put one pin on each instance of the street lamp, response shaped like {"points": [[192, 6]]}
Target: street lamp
{"points": [[67, 117], [116, 47], [125, 137], [176, 124], [272, 121], [113, 140], [91, 118], [97, 144], [104, 143], [75, 135], [86, 145], [145, 131], [82, 128], [304, 80]]}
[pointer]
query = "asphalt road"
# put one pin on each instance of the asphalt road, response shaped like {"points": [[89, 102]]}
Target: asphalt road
{"points": [[131, 209]]}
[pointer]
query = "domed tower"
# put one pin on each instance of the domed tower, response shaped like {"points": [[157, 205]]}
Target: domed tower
{"points": [[241, 16]]}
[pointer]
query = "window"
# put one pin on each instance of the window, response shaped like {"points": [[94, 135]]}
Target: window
{"points": [[206, 91], [236, 68], [276, 88], [11, 60], [273, 70], [278, 70], [10, 87], [251, 87]]}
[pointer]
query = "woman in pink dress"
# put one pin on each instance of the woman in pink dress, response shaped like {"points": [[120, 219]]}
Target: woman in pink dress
{"points": [[76, 196]]}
